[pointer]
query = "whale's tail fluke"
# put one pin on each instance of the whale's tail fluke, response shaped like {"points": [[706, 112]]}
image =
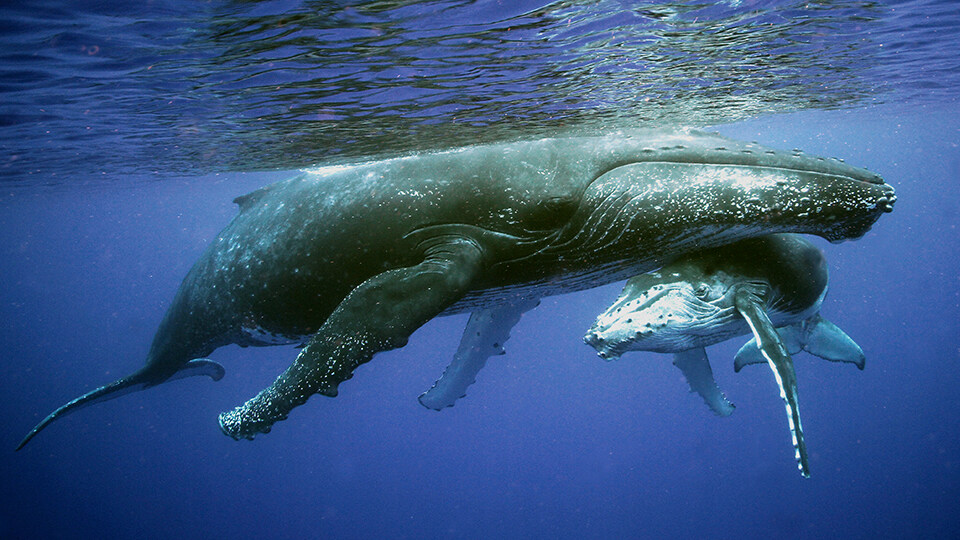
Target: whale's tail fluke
{"points": [[140, 380]]}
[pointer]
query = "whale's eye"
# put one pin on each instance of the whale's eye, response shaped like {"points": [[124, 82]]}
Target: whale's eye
{"points": [[553, 213], [702, 291]]}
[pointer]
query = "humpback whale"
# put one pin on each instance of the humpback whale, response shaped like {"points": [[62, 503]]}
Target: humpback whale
{"points": [[771, 287], [348, 261]]}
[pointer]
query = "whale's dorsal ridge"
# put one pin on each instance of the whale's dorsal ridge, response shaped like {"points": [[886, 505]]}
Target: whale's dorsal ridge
{"points": [[245, 202]]}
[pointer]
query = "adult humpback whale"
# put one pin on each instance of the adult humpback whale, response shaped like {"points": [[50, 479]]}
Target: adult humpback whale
{"points": [[771, 286], [351, 260]]}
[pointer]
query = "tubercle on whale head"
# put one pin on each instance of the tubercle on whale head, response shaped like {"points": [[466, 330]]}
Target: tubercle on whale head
{"points": [[835, 207], [828, 204]]}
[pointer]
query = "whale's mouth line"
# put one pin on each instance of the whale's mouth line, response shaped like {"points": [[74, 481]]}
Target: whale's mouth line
{"points": [[613, 207], [868, 177]]}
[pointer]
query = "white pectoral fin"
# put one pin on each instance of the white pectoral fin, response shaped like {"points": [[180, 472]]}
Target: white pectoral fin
{"points": [[826, 340], [771, 347], [484, 336], [696, 368]]}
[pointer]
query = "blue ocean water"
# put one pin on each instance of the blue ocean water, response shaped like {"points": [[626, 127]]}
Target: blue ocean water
{"points": [[125, 132]]}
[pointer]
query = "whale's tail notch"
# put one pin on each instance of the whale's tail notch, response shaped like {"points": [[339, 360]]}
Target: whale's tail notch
{"points": [[142, 379]]}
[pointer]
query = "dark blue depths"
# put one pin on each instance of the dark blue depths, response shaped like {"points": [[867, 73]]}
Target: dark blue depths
{"points": [[550, 442]]}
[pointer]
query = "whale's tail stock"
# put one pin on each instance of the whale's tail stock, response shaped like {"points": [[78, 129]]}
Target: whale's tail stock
{"points": [[144, 378]]}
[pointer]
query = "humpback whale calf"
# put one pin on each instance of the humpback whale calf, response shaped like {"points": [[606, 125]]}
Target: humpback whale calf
{"points": [[771, 286], [349, 260]]}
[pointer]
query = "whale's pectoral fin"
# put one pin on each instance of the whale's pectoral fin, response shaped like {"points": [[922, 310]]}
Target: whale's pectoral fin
{"points": [[484, 336], [696, 368], [750, 305], [826, 340], [816, 335], [792, 337], [200, 366], [378, 315]]}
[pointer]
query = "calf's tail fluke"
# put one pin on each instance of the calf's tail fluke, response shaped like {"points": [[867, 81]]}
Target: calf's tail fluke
{"points": [[140, 380]]}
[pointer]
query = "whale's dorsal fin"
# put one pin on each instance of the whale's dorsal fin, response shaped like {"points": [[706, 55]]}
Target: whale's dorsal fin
{"points": [[245, 202], [696, 368]]}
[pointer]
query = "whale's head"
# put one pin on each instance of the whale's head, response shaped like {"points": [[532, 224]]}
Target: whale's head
{"points": [[694, 190], [674, 310]]}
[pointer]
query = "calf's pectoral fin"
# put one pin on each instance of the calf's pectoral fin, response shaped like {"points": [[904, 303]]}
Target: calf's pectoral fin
{"points": [[791, 337], [750, 306], [696, 368], [484, 336], [380, 314], [816, 335]]}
